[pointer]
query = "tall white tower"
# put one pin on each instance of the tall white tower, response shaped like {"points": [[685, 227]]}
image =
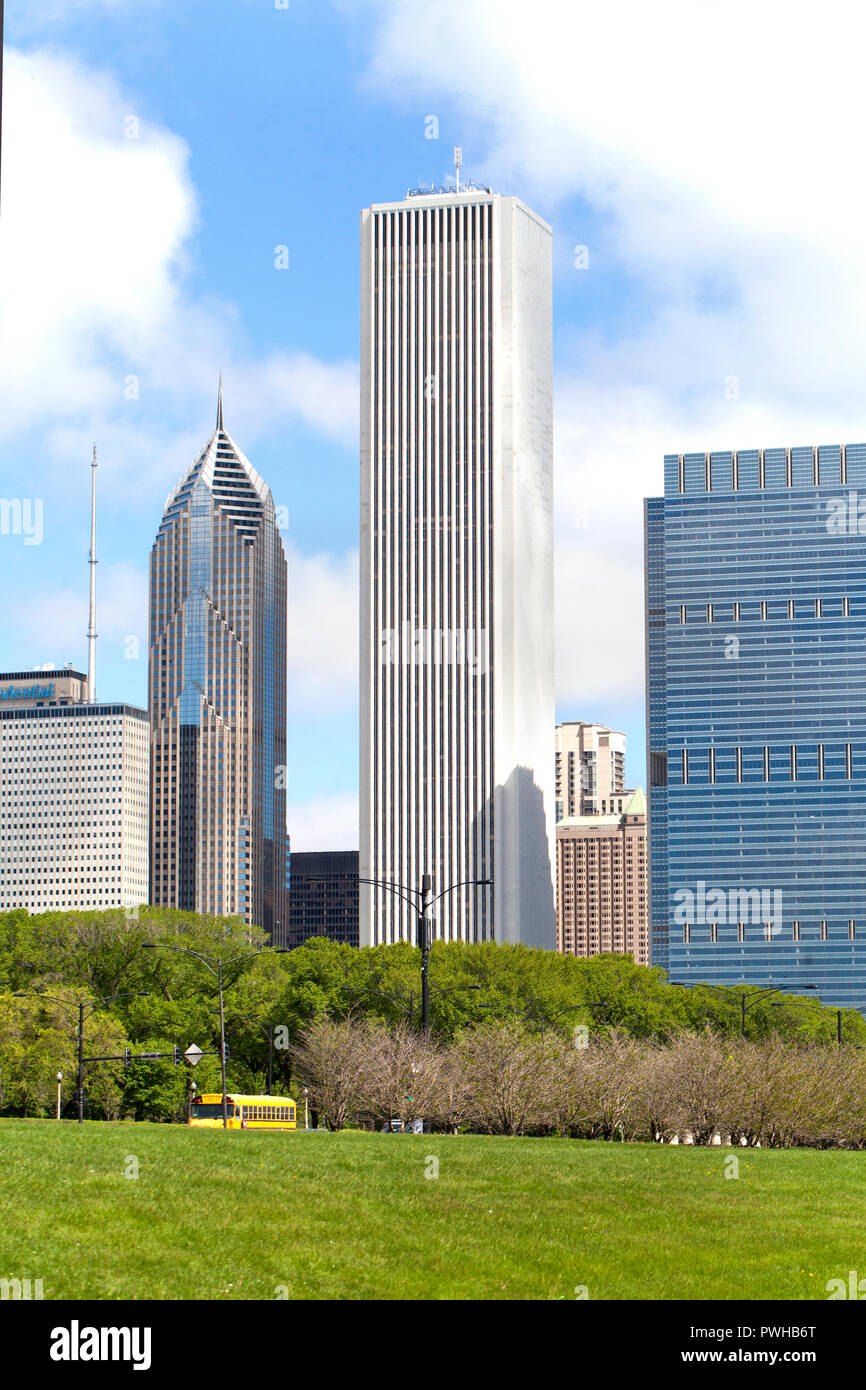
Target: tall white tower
{"points": [[457, 690]]}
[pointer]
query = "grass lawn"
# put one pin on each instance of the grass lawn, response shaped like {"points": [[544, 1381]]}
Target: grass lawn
{"points": [[354, 1216]]}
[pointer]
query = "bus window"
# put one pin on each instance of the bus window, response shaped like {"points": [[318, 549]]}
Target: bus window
{"points": [[246, 1112]]}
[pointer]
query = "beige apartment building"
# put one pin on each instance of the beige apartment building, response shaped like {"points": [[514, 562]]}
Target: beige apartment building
{"points": [[73, 796], [601, 883], [590, 770]]}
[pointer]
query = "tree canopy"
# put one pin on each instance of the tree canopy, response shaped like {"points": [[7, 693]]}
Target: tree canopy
{"points": [[150, 1000]]}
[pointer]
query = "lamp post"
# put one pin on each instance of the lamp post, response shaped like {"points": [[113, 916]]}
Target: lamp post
{"points": [[813, 1008], [208, 962], [422, 901], [59, 1084], [82, 1017], [764, 992]]}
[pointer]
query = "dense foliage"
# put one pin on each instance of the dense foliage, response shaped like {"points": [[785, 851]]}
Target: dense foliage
{"points": [[151, 1000]]}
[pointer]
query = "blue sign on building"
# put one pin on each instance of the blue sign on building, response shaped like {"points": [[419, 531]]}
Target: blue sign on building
{"points": [[26, 692]]}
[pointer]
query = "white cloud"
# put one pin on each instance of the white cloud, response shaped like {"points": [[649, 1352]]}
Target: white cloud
{"points": [[324, 822], [98, 323], [58, 617], [717, 151], [91, 239], [322, 644]]}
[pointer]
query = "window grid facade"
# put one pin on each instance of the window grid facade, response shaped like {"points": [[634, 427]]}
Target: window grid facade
{"points": [[218, 695], [456, 567], [73, 807], [775, 706]]}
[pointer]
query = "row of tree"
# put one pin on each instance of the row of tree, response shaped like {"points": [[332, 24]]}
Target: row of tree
{"points": [[500, 1078], [150, 1000]]}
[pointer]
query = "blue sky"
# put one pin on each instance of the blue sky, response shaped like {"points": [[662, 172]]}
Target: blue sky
{"points": [[133, 269]]}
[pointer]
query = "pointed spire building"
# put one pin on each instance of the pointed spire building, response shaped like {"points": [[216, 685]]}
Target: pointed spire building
{"points": [[217, 693]]}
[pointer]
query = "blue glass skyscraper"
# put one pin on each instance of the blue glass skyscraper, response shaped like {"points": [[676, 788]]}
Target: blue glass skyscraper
{"points": [[756, 718], [218, 694]]}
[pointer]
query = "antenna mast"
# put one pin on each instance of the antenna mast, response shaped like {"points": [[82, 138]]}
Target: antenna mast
{"points": [[91, 629], [458, 160]]}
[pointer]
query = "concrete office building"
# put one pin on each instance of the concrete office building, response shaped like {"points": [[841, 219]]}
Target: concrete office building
{"points": [[323, 896], [601, 903], [590, 770], [756, 622], [73, 796], [217, 694], [457, 698]]}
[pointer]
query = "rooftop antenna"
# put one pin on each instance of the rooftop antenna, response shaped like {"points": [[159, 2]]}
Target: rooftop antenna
{"points": [[458, 160], [91, 629], [220, 403]]}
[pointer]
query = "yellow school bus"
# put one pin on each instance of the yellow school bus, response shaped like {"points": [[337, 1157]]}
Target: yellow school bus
{"points": [[244, 1112]]}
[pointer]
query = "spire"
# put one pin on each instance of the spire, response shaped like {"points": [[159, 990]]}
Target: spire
{"points": [[91, 626], [219, 424]]}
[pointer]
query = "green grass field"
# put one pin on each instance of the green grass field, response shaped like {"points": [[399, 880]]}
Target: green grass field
{"points": [[353, 1216]]}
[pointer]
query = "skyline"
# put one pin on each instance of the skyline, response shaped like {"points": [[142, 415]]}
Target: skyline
{"points": [[694, 277]]}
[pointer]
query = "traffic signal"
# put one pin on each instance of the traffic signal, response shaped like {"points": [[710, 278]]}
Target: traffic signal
{"points": [[127, 1056], [176, 1055]]}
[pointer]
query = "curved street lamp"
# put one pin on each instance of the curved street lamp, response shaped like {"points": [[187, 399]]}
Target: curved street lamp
{"points": [[82, 1016], [812, 1008], [727, 990], [209, 962], [427, 899]]}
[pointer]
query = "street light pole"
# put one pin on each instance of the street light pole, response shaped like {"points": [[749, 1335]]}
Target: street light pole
{"points": [[410, 896], [765, 990], [424, 943], [59, 1084], [208, 961], [67, 1003], [80, 1064], [222, 1043]]}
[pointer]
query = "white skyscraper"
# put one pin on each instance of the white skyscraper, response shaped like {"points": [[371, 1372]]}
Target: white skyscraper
{"points": [[457, 695]]}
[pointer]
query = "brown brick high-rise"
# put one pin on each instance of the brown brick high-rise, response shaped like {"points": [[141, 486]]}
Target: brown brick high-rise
{"points": [[601, 883]]}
